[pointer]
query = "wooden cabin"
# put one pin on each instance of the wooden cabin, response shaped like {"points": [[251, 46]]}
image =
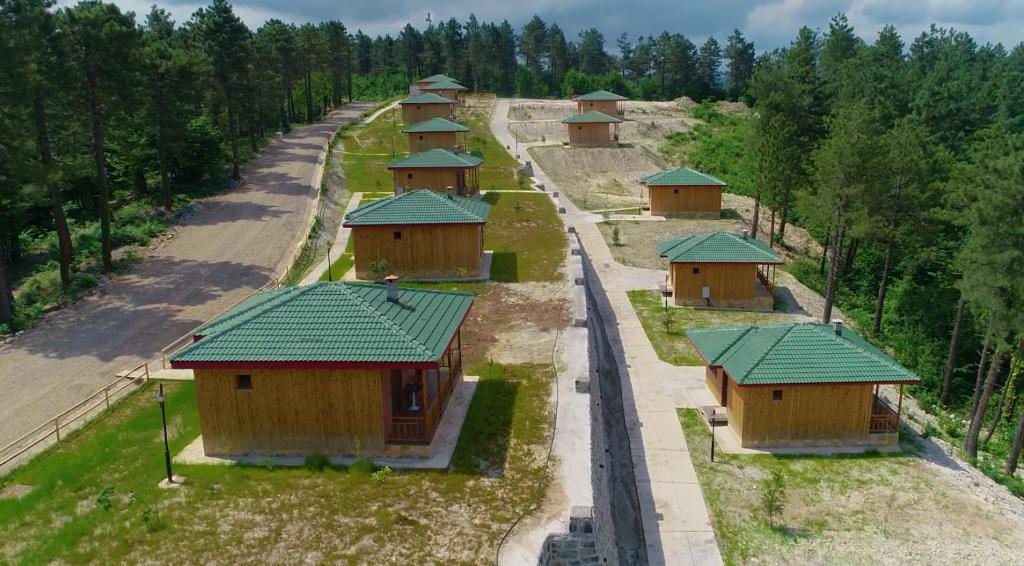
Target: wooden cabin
{"points": [[592, 129], [419, 108], [422, 234], [683, 192], [721, 270], [426, 81], [328, 368], [438, 170], [601, 101], [446, 88], [802, 384], [436, 133]]}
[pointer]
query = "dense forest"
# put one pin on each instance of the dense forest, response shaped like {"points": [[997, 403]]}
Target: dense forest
{"points": [[904, 160]]}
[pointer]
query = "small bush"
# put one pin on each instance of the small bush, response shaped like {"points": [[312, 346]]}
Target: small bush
{"points": [[317, 462], [616, 236], [381, 475], [773, 495], [362, 467], [104, 499]]}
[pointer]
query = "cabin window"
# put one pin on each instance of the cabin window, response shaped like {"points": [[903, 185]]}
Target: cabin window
{"points": [[398, 235], [579, 127], [408, 176], [776, 395], [675, 191], [243, 382], [696, 270], [421, 137]]}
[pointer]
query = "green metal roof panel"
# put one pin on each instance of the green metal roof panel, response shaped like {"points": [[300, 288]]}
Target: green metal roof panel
{"points": [[601, 95], [592, 117], [681, 176], [796, 353], [435, 125], [333, 322], [436, 157], [420, 207], [444, 84], [427, 98], [716, 247], [435, 78]]}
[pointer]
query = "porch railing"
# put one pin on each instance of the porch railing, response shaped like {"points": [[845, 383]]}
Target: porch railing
{"points": [[884, 420], [408, 430]]}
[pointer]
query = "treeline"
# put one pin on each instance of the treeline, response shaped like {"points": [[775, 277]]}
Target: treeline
{"points": [[907, 163], [105, 118], [540, 61]]}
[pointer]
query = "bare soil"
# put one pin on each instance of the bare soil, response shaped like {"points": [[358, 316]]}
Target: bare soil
{"points": [[514, 323], [232, 244]]}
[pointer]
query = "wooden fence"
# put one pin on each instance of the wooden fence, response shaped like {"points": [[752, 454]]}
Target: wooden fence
{"points": [[56, 428]]}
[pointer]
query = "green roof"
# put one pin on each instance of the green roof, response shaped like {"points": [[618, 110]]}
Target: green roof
{"points": [[435, 78], [428, 98], [601, 95], [592, 117], [444, 84], [332, 322], [681, 176], [796, 353], [436, 157], [716, 247], [420, 207], [435, 125]]}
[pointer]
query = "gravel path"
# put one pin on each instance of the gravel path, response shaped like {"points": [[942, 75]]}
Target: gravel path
{"points": [[230, 245]]}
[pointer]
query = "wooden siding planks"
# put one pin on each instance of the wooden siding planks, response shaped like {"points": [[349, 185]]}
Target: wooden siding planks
{"points": [[591, 135], [443, 250], [686, 201]]}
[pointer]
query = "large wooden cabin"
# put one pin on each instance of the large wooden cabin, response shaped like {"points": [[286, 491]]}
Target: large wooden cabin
{"points": [[683, 192], [802, 384], [720, 270], [592, 129], [436, 133], [601, 101], [446, 88], [419, 108], [438, 170], [422, 234], [328, 368]]}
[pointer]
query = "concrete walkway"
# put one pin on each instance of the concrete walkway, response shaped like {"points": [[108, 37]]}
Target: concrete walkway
{"points": [[337, 248], [676, 525]]}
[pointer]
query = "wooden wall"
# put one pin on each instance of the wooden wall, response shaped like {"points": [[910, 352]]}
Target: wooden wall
{"points": [[416, 113], [290, 411], [449, 93], [806, 415], [422, 252], [728, 281], [435, 179], [692, 201], [591, 135], [609, 107], [429, 140], [713, 381]]}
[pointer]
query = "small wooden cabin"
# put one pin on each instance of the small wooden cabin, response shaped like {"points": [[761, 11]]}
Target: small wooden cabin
{"points": [[802, 384], [721, 270], [422, 234], [328, 368], [438, 170], [683, 192], [446, 88], [422, 107], [601, 101], [592, 129], [436, 133], [426, 81]]}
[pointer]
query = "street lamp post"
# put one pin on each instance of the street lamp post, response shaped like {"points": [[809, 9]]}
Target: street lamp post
{"points": [[167, 447]]}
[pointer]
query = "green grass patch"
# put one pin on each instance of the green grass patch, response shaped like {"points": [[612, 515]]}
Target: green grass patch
{"points": [[94, 498], [671, 342], [525, 234], [340, 266]]}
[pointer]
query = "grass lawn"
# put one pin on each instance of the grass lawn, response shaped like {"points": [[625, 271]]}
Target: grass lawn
{"points": [[95, 498], [850, 509], [340, 266], [527, 238], [671, 344], [368, 150]]}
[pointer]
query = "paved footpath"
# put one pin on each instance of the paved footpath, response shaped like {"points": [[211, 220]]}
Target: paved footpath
{"points": [[230, 245], [677, 529]]}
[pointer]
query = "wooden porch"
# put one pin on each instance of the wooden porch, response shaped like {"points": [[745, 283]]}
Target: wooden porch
{"points": [[766, 275], [415, 400], [884, 419]]}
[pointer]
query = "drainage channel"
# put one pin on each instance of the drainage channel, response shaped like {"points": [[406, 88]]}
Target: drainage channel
{"points": [[615, 494]]}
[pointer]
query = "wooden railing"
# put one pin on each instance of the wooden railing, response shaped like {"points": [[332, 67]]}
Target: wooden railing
{"points": [[407, 429], [762, 276], [57, 427], [884, 420]]}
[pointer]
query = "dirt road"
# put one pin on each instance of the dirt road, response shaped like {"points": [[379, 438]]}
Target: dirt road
{"points": [[231, 244]]}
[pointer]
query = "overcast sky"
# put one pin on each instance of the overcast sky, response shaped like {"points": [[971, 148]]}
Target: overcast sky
{"points": [[768, 23]]}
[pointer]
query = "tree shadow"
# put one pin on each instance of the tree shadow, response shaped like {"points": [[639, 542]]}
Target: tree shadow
{"points": [[784, 296], [505, 267], [487, 431]]}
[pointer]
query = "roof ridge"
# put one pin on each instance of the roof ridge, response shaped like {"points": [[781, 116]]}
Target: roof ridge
{"points": [[850, 345], [734, 342], [768, 350], [231, 321], [371, 206], [388, 323]]}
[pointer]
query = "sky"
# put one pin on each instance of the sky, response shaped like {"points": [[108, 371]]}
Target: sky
{"points": [[769, 24]]}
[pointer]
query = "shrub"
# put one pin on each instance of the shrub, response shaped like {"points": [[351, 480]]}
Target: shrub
{"points": [[317, 462], [104, 499], [773, 495], [616, 236], [362, 467], [380, 476]]}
